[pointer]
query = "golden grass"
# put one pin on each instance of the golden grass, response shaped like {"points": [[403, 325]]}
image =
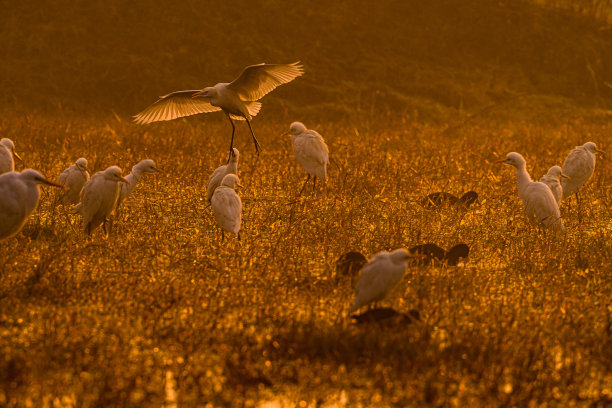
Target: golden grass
{"points": [[163, 312]]}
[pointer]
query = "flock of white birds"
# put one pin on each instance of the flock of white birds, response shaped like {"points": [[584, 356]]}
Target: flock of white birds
{"points": [[97, 197]]}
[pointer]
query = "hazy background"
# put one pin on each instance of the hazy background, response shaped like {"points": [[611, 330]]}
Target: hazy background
{"points": [[427, 60]]}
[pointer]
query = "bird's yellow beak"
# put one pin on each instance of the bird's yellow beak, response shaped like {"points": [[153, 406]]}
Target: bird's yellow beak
{"points": [[565, 176], [17, 156], [239, 185], [197, 94], [286, 133], [600, 151], [50, 183], [123, 180], [157, 170], [499, 161]]}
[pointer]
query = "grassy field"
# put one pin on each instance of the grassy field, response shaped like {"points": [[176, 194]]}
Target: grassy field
{"points": [[419, 99]]}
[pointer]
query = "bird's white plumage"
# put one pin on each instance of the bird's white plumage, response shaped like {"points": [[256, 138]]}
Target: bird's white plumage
{"points": [[7, 151], [578, 166], [138, 170], [74, 177], [220, 172], [226, 204], [379, 276], [310, 150], [99, 197], [553, 180], [236, 98], [19, 195], [538, 201]]}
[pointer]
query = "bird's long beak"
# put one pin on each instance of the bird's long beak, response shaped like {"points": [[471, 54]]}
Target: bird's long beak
{"points": [[17, 156], [286, 133], [565, 176], [50, 183], [499, 161], [239, 185], [600, 151], [157, 170], [123, 180], [197, 94]]}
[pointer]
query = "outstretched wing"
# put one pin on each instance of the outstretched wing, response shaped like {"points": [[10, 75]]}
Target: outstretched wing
{"points": [[175, 105], [255, 81]]}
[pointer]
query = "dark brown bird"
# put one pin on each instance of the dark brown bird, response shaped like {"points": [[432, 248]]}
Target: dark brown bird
{"points": [[349, 264], [433, 252], [442, 199]]}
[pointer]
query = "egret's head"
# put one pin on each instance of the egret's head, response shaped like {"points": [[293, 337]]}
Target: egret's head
{"points": [[82, 164], [296, 128], [234, 155], [146, 166], [556, 172], [231, 181], [592, 147], [32, 176], [513, 159], [113, 173], [400, 255], [10, 146], [207, 92]]}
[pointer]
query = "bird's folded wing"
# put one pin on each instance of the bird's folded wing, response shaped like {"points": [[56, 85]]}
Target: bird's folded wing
{"points": [[255, 81], [175, 105]]}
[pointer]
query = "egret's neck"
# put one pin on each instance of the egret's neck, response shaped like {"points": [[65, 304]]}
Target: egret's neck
{"points": [[522, 177]]}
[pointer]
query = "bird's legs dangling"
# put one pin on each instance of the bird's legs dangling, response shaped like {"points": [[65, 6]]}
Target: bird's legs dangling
{"points": [[231, 149], [257, 146]]}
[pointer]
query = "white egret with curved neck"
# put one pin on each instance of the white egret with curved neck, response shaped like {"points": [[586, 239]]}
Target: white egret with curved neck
{"points": [[538, 200], [379, 276], [19, 195], [7, 155], [99, 198], [553, 180], [578, 166], [138, 170], [237, 99], [220, 172], [227, 206], [310, 151], [75, 177]]}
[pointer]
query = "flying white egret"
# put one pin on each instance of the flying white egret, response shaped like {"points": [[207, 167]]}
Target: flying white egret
{"points": [[19, 194], [379, 276], [578, 166], [443, 198], [538, 200], [7, 152], [227, 206], [99, 198], [433, 252], [310, 151], [237, 99], [138, 170], [553, 180], [75, 178], [220, 172]]}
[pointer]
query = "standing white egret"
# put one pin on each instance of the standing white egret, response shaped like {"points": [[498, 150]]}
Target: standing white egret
{"points": [[538, 200], [220, 172], [310, 151], [379, 276], [99, 198], [7, 152], [74, 177], [578, 166], [19, 194], [138, 170], [553, 180], [227, 206], [237, 99]]}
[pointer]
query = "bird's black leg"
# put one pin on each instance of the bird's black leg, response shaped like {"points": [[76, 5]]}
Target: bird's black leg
{"points": [[314, 183], [231, 149], [257, 146], [306, 182]]}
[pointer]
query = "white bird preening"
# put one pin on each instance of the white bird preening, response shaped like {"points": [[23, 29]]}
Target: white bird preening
{"points": [[99, 198], [553, 180], [7, 153], [220, 172], [227, 206], [578, 166], [538, 200], [237, 99], [19, 195], [379, 276], [74, 177], [138, 170], [310, 151]]}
